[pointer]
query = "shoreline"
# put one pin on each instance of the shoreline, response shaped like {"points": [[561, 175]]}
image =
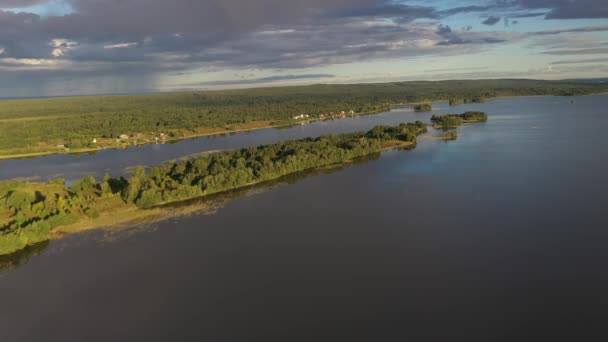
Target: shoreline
{"points": [[246, 129], [123, 214], [206, 134], [89, 205], [173, 140]]}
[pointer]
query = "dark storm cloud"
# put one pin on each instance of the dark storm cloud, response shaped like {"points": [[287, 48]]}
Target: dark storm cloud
{"points": [[526, 15], [492, 20], [227, 33], [465, 37], [386, 9], [161, 16], [465, 9], [143, 38]]}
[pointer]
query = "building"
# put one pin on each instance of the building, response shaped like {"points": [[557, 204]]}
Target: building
{"points": [[301, 117]]}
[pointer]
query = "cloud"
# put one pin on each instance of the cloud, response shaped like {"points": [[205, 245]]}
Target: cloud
{"points": [[563, 9], [269, 79], [526, 15], [581, 61], [456, 69], [20, 3], [132, 41], [571, 30], [119, 46], [492, 20], [465, 9], [589, 51]]}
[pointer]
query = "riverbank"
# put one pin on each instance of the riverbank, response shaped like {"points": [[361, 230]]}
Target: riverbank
{"points": [[148, 139], [104, 144], [140, 139]]}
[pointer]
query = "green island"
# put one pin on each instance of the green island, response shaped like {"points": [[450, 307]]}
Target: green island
{"points": [[31, 127], [32, 213], [456, 120], [449, 135], [423, 107]]}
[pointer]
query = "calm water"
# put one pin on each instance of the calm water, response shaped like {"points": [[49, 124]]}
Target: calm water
{"points": [[120, 162], [500, 235]]}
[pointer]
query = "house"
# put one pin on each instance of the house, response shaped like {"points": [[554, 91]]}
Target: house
{"points": [[301, 117], [124, 137], [94, 141]]}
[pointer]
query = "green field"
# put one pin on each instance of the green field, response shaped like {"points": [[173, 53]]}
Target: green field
{"points": [[56, 125]]}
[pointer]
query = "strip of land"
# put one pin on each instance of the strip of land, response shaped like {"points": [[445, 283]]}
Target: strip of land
{"points": [[456, 120], [35, 127]]}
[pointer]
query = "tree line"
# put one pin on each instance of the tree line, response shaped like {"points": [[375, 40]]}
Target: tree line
{"points": [[455, 120], [37, 125]]}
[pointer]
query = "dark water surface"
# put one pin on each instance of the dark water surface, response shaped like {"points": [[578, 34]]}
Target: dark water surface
{"points": [[500, 235]]}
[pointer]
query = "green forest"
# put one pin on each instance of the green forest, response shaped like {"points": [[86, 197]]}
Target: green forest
{"points": [[423, 107], [54, 125], [30, 211], [456, 120]]}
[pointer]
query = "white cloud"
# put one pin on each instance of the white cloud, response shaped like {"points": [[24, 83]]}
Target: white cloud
{"points": [[119, 46], [28, 61], [61, 46], [277, 32]]}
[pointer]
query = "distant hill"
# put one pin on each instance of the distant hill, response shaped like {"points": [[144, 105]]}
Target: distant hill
{"points": [[588, 80]]}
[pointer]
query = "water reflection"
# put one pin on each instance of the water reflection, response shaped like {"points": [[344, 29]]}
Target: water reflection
{"points": [[15, 260], [206, 205]]}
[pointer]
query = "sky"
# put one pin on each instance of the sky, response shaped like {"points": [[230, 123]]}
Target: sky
{"points": [[78, 47]]}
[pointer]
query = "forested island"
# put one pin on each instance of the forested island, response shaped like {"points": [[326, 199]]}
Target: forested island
{"points": [[456, 120], [59, 125], [30, 212], [423, 107]]}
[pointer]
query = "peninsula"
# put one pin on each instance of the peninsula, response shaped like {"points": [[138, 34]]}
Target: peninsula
{"points": [[30, 212]]}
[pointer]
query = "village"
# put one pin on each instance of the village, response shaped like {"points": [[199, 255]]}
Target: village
{"points": [[326, 116], [136, 139], [123, 140]]}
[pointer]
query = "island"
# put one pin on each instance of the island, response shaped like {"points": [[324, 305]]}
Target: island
{"points": [[31, 212], [423, 107], [456, 120]]}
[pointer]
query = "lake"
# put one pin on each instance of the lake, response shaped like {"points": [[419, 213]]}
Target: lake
{"points": [[499, 235]]}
